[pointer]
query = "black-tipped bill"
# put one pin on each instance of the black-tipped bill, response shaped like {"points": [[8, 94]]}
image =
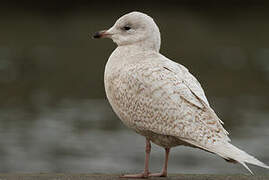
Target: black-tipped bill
{"points": [[99, 34]]}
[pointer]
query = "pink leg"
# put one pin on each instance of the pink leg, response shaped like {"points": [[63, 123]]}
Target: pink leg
{"points": [[164, 171], [145, 174]]}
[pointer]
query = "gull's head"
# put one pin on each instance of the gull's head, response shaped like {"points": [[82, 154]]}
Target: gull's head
{"points": [[134, 28]]}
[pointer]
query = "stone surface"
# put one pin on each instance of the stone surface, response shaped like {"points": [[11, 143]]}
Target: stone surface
{"points": [[49, 176]]}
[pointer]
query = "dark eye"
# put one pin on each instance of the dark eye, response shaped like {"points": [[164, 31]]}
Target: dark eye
{"points": [[126, 28]]}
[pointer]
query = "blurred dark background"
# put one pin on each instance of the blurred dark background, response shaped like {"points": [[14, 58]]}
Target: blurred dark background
{"points": [[53, 113]]}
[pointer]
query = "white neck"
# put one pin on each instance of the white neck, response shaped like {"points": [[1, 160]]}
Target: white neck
{"points": [[140, 46], [125, 53]]}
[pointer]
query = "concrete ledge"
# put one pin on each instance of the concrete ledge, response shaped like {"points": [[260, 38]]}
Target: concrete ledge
{"points": [[49, 176]]}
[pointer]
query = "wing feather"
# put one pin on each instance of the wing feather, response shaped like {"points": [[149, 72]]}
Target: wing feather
{"points": [[188, 79], [169, 81], [161, 96]]}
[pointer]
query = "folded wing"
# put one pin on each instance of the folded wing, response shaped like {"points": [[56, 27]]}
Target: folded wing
{"points": [[179, 102]]}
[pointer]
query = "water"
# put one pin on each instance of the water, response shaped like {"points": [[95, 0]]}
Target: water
{"points": [[86, 136], [54, 116]]}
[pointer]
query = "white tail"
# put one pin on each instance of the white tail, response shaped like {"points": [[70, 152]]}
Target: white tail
{"points": [[230, 152]]}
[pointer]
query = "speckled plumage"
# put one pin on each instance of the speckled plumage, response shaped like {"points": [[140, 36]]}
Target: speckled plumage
{"points": [[154, 95], [159, 98]]}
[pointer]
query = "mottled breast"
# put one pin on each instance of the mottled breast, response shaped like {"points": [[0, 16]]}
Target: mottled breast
{"points": [[148, 97]]}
